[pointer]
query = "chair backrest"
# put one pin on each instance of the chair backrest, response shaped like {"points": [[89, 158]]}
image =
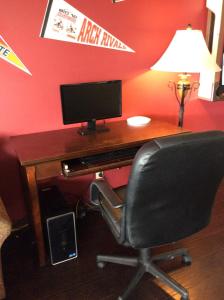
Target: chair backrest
{"points": [[172, 187]]}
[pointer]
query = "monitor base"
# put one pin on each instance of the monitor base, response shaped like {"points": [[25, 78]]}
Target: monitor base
{"points": [[97, 129]]}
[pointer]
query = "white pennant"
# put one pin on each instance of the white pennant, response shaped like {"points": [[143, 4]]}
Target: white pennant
{"points": [[65, 23]]}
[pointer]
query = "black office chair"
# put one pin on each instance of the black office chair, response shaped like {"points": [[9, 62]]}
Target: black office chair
{"points": [[169, 196]]}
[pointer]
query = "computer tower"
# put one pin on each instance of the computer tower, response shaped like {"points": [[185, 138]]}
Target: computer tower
{"points": [[59, 226]]}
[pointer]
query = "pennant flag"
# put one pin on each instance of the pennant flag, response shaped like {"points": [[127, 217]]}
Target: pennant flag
{"points": [[7, 54], [65, 23]]}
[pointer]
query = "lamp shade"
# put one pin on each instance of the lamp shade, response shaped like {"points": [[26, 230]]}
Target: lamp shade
{"points": [[187, 53]]}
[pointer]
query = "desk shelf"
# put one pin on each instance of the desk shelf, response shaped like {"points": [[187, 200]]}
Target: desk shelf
{"points": [[76, 167]]}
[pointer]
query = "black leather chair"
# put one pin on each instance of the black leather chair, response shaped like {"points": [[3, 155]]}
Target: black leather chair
{"points": [[169, 196]]}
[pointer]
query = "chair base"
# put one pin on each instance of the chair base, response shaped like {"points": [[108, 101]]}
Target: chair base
{"points": [[145, 263]]}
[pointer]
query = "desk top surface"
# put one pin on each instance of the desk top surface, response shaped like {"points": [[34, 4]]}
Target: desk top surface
{"points": [[62, 144]]}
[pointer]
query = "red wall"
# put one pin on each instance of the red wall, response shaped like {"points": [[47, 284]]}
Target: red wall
{"points": [[32, 103]]}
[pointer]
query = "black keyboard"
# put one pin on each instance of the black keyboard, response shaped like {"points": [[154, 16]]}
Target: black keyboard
{"points": [[109, 156]]}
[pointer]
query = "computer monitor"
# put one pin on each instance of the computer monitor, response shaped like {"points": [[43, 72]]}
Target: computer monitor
{"points": [[88, 102]]}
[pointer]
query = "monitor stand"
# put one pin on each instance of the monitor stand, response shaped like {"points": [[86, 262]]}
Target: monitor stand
{"points": [[92, 128]]}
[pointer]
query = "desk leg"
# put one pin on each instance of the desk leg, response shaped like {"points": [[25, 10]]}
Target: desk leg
{"points": [[35, 211]]}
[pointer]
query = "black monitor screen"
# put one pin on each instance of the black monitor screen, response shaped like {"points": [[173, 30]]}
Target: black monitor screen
{"points": [[90, 101]]}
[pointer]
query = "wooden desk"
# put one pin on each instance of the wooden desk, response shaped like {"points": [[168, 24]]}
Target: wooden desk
{"points": [[41, 156]]}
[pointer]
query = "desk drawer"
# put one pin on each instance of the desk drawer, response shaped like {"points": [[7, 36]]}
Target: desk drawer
{"points": [[48, 169]]}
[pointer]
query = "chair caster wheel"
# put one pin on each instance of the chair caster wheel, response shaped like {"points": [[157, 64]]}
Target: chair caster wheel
{"points": [[187, 260], [101, 264]]}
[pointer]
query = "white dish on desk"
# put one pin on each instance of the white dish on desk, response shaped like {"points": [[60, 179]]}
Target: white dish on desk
{"points": [[138, 121]]}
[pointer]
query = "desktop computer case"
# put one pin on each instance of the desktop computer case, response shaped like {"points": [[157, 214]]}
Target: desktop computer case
{"points": [[62, 237], [59, 226]]}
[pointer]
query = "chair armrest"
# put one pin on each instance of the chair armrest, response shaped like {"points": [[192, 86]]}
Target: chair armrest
{"points": [[100, 186]]}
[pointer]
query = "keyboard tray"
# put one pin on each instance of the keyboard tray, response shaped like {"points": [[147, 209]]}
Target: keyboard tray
{"points": [[99, 161]]}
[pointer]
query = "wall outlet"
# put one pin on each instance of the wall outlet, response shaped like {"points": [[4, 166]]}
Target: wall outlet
{"points": [[99, 175]]}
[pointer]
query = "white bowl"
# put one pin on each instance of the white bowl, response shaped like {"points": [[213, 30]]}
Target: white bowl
{"points": [[138, 121]]}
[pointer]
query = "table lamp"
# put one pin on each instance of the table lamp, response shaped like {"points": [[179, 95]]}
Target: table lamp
{"points": [[187, 53]]}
